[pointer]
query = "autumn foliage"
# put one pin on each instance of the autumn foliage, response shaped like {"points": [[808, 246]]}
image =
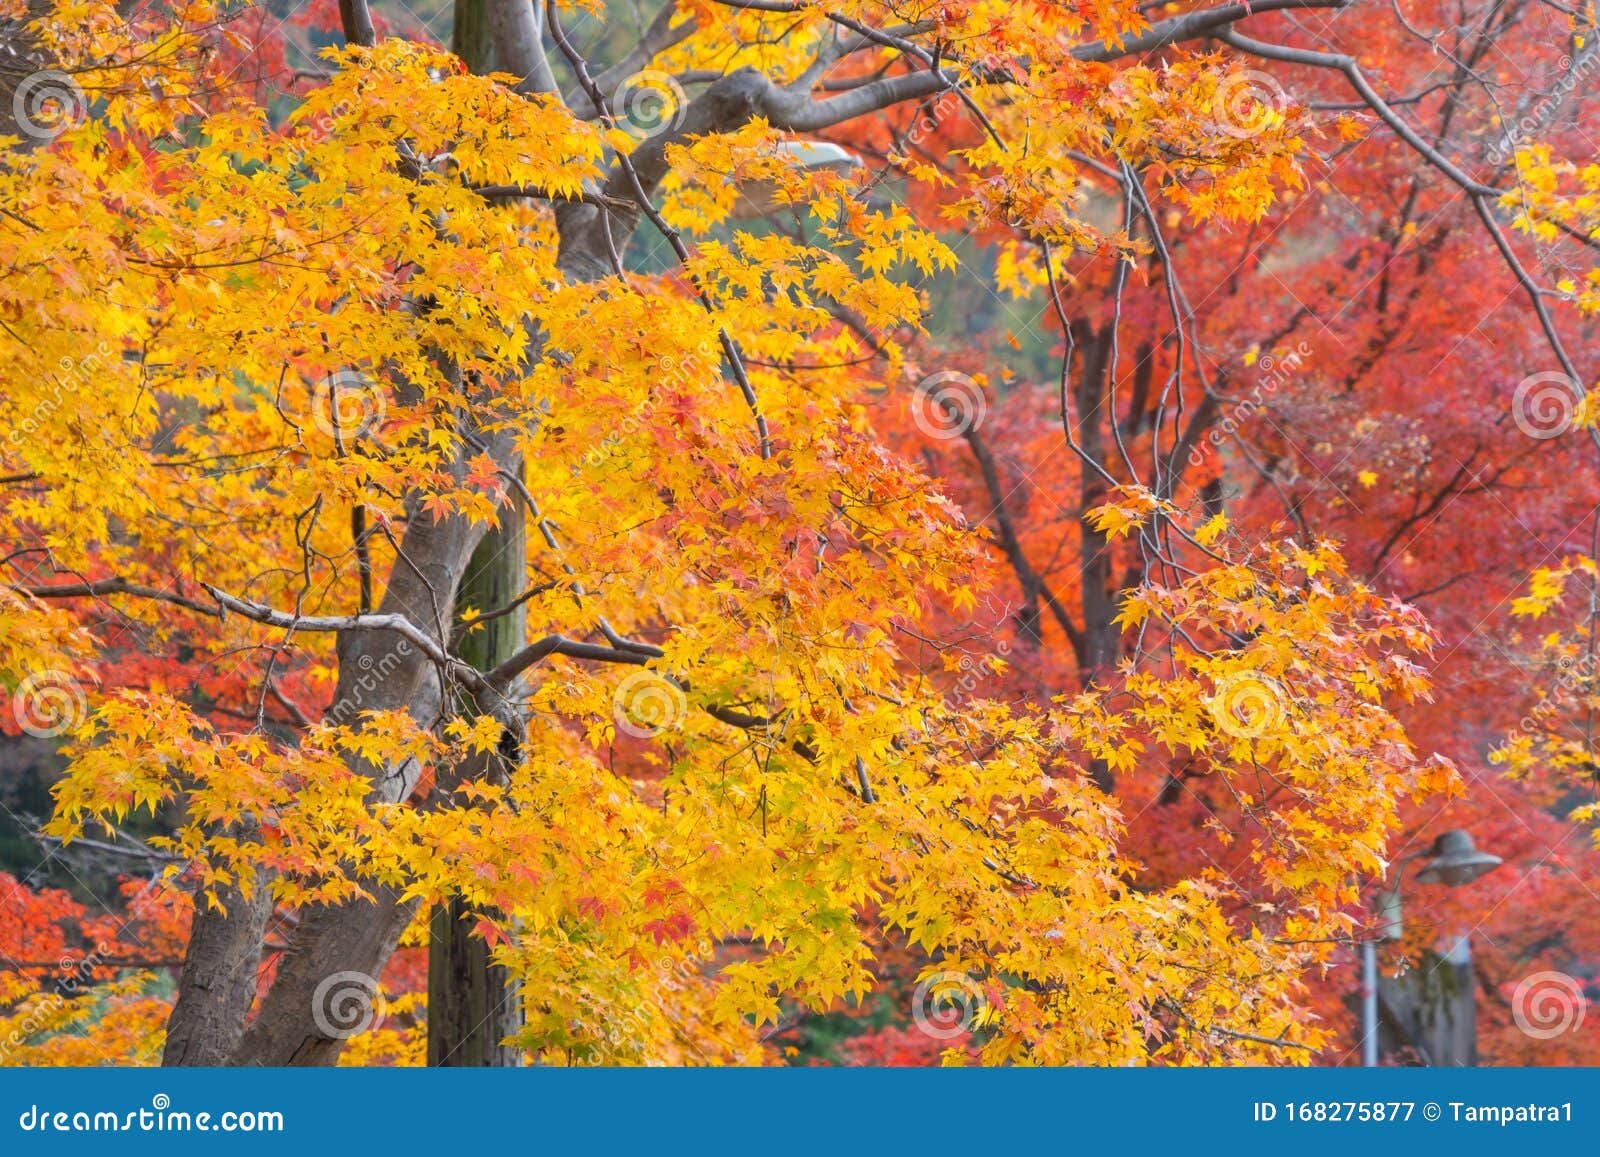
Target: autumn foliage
{"points": [[1010, 597]]}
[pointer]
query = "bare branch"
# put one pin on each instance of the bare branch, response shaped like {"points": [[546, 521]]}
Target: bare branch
{"points": [[1194, 26], [494, 681], [118, 586], [1358, 81]]}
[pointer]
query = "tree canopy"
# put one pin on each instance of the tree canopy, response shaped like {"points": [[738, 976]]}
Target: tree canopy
{"points": [[1049, 502]]}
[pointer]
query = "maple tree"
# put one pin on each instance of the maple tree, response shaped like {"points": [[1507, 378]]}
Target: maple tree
{"points": [[1073, 674], [1318, 329]]}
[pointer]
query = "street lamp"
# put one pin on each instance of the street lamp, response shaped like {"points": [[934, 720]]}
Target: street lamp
{"points": [[759, 198], [1453, 861]]}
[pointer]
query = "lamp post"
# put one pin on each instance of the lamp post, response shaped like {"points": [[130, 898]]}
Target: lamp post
{"points": [[1453, 861]]}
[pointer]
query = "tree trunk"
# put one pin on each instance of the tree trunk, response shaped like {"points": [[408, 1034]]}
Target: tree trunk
{"points": [[473, 1004], [339, 949], [218, 982], [471, 37], [1101, 638]]}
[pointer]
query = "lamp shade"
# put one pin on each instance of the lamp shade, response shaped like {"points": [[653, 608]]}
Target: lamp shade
{"points": [[1456, 861], [758, 198]]}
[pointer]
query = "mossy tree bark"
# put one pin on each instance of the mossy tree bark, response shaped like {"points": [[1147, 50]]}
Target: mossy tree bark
{"points": [[473, 1004]]}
